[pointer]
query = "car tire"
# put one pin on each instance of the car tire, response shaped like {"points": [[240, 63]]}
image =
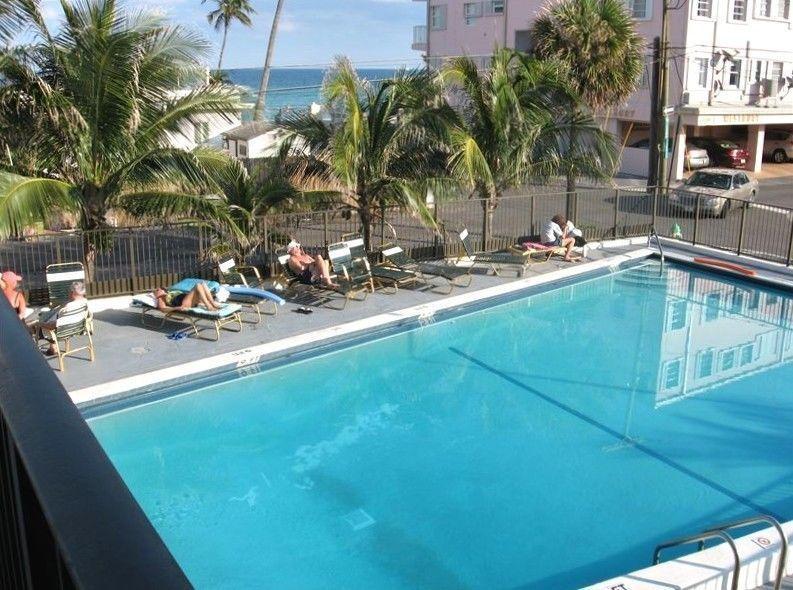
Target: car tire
{"points": [[779, 157]]}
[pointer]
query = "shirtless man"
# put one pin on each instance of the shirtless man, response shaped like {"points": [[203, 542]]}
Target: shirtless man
{"points": [[310, 269]]}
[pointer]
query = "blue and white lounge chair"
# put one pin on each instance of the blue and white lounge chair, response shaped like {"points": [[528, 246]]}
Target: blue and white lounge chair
{"points": [[228, 314]]}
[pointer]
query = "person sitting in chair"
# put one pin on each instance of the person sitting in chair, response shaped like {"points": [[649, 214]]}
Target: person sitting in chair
{"points": [[178, 300], [9, 282], [310, 269], [555, 233], [49, 320]]}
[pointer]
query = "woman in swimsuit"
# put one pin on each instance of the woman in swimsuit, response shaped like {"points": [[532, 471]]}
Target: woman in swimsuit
{"points": [[9, 281], [199, 295]]}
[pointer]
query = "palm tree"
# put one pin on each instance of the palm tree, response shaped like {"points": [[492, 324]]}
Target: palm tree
{"points": [[384, 150], [88, 116], [598, 44], [258, 110], [510, 126], [227, 12]]}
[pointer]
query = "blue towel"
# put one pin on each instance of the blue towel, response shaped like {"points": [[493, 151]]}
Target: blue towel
{"points": [[187, 285]]}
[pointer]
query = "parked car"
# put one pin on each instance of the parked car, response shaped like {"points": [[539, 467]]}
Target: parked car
{"points": [[718, 190], [722, 152], [695, 157], [778, 145]]}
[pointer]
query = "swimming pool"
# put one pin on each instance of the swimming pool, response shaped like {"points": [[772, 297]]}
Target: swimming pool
{"points": [[547, 442]]}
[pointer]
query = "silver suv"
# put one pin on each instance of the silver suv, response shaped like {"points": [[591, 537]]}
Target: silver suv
{"points": [[778, 145]]}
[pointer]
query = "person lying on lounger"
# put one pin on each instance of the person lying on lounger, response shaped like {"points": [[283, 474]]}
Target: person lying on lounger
{"points": [[177, 300], [310, 269]]}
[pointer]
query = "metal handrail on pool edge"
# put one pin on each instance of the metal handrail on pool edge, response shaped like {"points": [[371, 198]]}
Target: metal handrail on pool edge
{"points": [[660, 247], [701, 538], [773, 522]]}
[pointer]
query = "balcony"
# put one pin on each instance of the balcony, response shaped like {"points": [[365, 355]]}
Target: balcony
{"points": [[419, 38]]}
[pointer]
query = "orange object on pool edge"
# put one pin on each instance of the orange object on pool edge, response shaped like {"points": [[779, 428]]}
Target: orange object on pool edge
{"points": [[728, 265]]}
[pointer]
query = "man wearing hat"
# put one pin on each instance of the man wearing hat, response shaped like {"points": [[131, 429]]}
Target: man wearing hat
{"points": [[310, 269], [9, 281]]}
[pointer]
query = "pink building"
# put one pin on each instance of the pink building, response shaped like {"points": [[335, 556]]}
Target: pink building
{"points": [[731, 68]]}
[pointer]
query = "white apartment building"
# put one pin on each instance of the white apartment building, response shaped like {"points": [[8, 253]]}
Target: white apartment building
{"points": [[730, 69]]}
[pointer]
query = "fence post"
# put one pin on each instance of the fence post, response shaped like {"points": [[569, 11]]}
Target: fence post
{"points": [[696, 220], [531, 216], [740, 230], [325, 228], [655, 207], [485, 224], [616, 211], [436, 241], [132, 270], [382, 224], [268, 247], [790, 245]]}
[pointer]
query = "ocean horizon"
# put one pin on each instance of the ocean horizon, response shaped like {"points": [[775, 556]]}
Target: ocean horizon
{"points": [[294, 88]]}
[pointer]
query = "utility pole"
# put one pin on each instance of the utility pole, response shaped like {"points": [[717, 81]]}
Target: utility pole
{"points": [[663, 97]]}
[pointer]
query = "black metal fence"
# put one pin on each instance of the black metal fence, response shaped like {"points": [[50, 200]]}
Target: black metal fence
{"points": [[145, 257], [53, 532]]}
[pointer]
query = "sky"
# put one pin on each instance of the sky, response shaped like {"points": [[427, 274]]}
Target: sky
{"points": [[311, 32]]}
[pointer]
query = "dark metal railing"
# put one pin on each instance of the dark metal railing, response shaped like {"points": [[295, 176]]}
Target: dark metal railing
{"points": [[141, 258], [67, 520]]}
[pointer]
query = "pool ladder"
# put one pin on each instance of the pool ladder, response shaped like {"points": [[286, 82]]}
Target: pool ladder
{"points": [[720, 532], [650, 236]]}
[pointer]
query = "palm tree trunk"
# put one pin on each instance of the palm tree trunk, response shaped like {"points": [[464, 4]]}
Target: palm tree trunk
{"points": [[223, 46], [572, 197], [365, 213], [489, 203], [258, 111]]}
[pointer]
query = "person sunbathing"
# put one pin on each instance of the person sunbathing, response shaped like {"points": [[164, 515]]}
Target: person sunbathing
{"points": [[310, 269], [200, 295]]}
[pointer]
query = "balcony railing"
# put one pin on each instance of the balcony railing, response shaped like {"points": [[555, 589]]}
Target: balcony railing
{"points": [[420, 38]]}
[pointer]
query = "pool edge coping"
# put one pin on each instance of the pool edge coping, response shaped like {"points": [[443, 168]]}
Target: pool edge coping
{"points": [[253, 354]]}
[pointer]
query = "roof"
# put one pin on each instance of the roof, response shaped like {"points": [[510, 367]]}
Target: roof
{"points": [[250, 130]]}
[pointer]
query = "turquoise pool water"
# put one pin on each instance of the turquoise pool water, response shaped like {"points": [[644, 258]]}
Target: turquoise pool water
{"points": [[545, 443]]}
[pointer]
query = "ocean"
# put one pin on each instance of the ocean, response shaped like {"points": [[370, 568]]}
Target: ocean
{"points": [[290, 87]]}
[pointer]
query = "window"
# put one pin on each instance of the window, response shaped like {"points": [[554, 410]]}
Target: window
{"points": [[776, 70], [703, 8], [735, 73], [640, 9], [758, 71], [712, 303], [764, 8], [705, 364], [783, 9], [678, 314], [201, 132], [494, 7], [438, 17], [739, 10], [728, 359], [672, 374], [242, 150], [471, 12], [523, 40], [702, 71], [747, 354]]}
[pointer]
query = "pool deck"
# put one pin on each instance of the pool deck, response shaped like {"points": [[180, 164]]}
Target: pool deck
{"points": [[128, 352]]}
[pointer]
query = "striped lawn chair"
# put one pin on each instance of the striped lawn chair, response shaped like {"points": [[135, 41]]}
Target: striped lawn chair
{"points": [[72, 321], [59, 281]]}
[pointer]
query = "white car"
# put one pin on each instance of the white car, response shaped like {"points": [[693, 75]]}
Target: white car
{"points": [[717, 189], [778, 145]]}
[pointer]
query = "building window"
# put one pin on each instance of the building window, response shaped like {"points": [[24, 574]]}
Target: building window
{"points": [[747, 354], [764, 8], [672, 374], [704, 8], [523, 40], [494, 7], [758, 71], [705, 364], [776, 70], [677, 315], [471, 12], [735, 73], [702, 71], [639, 9], [242, 150], [739, 10], [728, 359], [712, 303], [438, 17], [783, 9]]}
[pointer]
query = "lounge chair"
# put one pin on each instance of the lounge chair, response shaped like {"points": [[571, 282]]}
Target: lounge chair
{"points": [[227, 315], [355, 273], [319, 293], [73, 320], [59, 281], [246, 287], [455, 275], [513, 257], [384, 276], [232, 273]]}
